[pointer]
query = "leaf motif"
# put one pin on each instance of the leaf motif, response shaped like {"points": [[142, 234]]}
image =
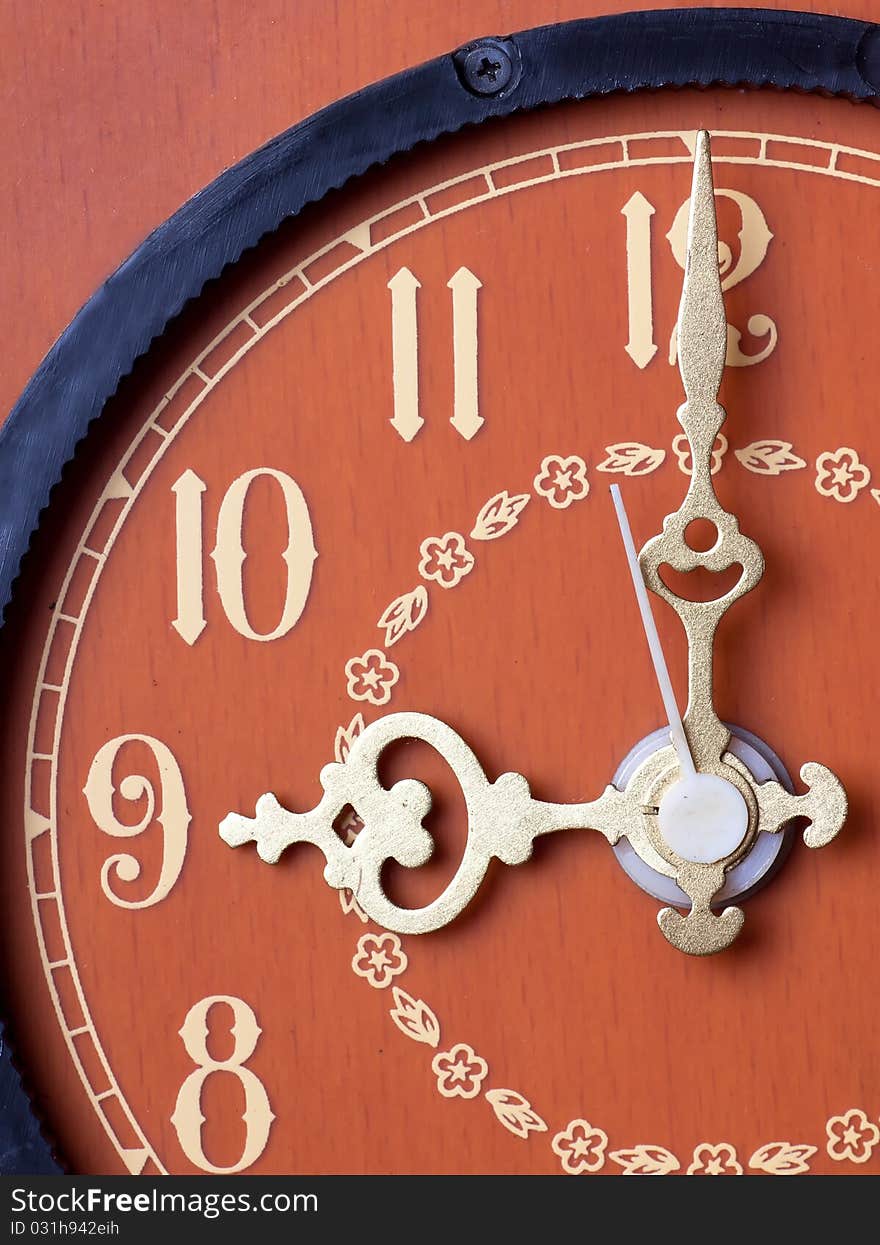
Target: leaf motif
{"points": [[414, 1018], [499, 515], [646, 1161], [781, 1158], [631, 458], [348, 903], [404, 614], [515, 1112], [345, 737], [769, 458], [348, 826]]}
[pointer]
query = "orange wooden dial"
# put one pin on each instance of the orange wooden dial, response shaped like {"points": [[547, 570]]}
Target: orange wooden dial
{"points": [[550, 1028]]}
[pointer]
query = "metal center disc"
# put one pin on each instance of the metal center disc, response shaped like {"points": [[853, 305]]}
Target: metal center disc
{"points": [[755, 867], [703, 818]]}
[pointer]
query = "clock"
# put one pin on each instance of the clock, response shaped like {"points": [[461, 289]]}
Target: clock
{"points": [[309, 542]]}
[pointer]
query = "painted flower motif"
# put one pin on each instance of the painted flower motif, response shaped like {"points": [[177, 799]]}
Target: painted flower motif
{"points": [[581, 1148], [445, 559], [840, 474], [681, 448], [371, 677], [562, 480], [852, 1136], [379, 959], [460, 1072], [717, 1160]]}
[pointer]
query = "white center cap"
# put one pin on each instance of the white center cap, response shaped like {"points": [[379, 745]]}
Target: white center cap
{"points": [[703, 818]]}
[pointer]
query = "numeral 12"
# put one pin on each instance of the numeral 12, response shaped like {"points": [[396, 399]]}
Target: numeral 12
{"points": [[754, 238]]}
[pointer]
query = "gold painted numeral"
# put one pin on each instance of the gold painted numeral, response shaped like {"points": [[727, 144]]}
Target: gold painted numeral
{"points": [[229, 555], [187, 1118], [172, 815], [406, 420], [641, 346], [754, 238]]}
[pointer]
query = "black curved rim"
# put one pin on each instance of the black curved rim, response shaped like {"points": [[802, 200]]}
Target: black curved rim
{"points": [[570, 61]]}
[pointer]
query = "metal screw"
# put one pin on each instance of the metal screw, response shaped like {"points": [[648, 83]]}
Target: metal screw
{"points": [[489, 67]]}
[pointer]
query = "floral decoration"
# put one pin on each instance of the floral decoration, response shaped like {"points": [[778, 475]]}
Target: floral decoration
{"points": [[345, 737], [515, 1112], [348, 903], [840, 474], [717, 1160], [404, 614], [781, 1158], [460, 1072], [414, 1018], [631, 458], [379, 959], [581, 1148], [445, 559], [562, 480], [371, 677], [851, 1136], [499, 515], [645, 1160], [770, 458]]}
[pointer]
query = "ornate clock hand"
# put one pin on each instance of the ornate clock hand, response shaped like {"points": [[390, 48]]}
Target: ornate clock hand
{"points": [[702, 344], [702, 817], [695, 826], [503, 821]]}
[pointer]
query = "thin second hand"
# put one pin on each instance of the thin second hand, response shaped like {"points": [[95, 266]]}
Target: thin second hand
{"points": [[676, 727]]}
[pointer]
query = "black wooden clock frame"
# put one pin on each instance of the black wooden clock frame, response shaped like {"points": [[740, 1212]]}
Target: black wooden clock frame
{"points": [[488, 78]]}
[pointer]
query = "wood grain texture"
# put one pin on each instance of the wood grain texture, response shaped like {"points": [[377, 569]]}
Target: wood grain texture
{"points": [[558, 977], [113, 115]]}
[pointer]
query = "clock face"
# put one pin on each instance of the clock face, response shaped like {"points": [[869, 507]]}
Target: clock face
{"points": [[365, 473]]}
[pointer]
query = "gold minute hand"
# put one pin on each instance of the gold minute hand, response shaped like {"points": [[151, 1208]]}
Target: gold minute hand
{"points": [[702, 323], [702, 346]]}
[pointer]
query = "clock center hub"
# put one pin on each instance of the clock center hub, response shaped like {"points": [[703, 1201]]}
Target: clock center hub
{"points": [[704, 823], [703, 818]]}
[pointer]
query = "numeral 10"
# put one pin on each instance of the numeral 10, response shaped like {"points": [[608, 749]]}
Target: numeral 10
{"points": [[229, 555]]}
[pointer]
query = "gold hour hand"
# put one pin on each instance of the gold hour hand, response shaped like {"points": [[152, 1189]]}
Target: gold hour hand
{"points": [[503, 822]]}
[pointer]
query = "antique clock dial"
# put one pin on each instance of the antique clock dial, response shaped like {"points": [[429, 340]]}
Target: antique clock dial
{"points": [[337, 564]]}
